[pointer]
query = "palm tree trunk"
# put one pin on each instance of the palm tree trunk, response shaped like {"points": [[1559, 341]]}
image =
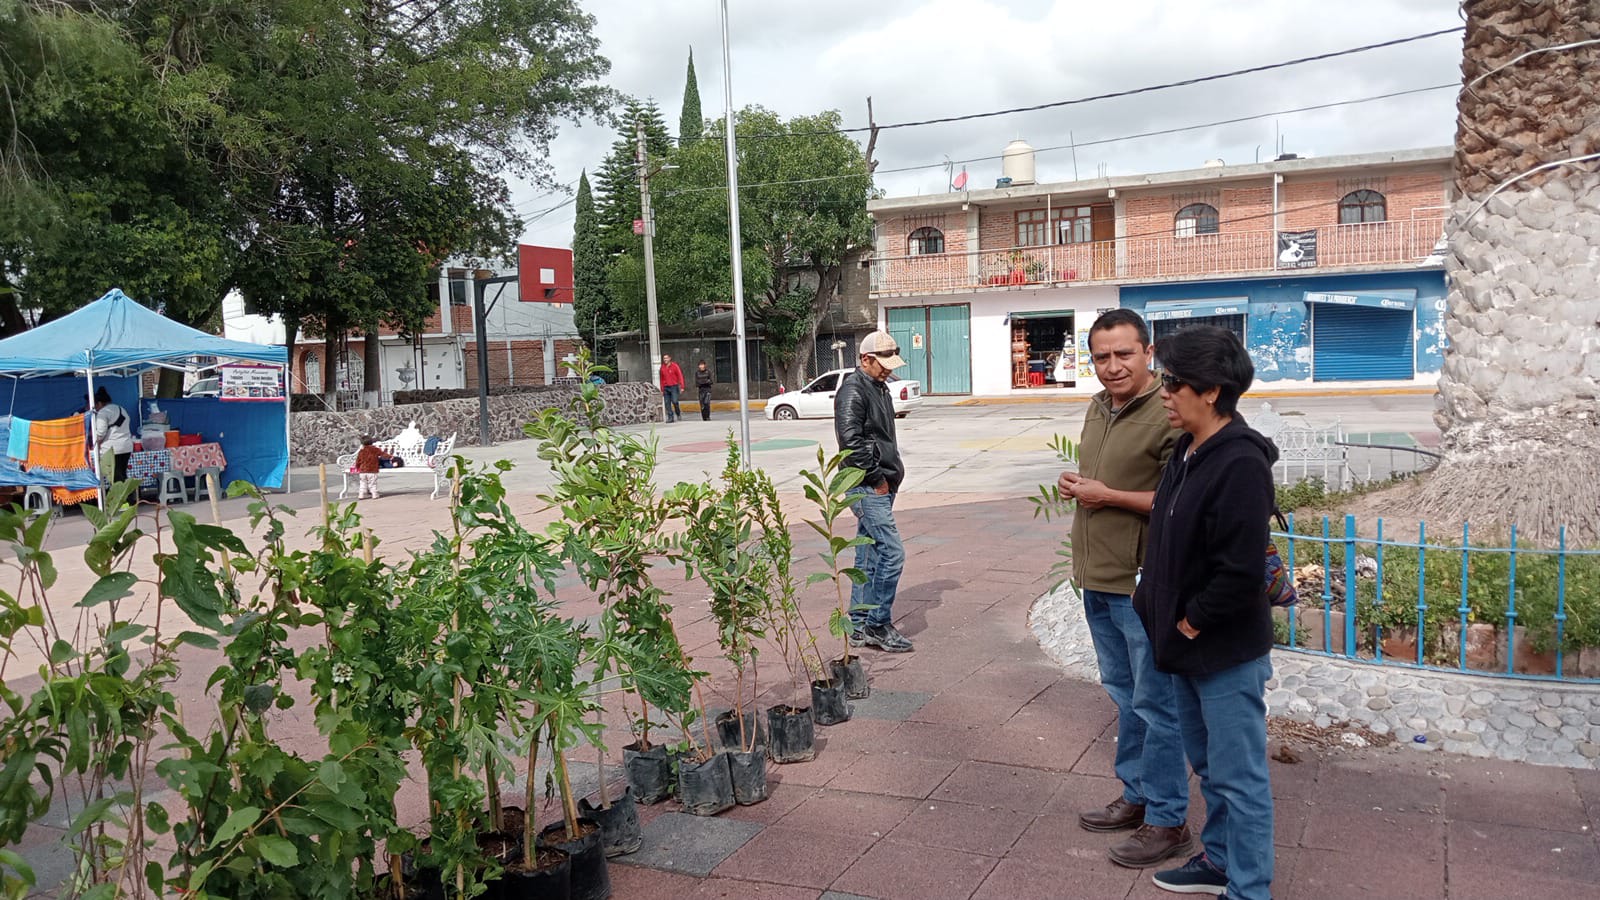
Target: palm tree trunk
{"points": [[1521, 375]]}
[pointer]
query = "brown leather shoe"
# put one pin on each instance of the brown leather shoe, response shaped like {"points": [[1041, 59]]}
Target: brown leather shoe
{"points": [[1119, 815], [1151, 844]]}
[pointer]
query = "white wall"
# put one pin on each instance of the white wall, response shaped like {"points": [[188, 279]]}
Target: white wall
{"points": [[991, 333]]}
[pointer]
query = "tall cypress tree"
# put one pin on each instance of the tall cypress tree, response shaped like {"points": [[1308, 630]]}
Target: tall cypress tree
{"points": [[691, 125], [593, 311]]}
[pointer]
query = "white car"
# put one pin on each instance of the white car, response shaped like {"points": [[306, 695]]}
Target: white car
{"points": [[815, 400], [205, 387]]}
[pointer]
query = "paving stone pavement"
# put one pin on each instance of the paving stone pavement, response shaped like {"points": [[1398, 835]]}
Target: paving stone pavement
{"points": [[963, 776], [1515, 720]]}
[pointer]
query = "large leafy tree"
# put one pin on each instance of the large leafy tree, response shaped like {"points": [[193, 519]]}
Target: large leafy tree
{"points": [[320, 156], [803, 195], [1520, 377], [100, 182]]}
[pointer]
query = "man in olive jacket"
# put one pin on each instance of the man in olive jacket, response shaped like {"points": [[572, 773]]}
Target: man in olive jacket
{"points": [[1126, 443]]}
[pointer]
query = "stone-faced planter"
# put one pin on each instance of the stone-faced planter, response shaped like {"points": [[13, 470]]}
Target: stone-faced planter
{"points": [[1588, 662], [1528, 661], [1485, 646], [1400, 644]]}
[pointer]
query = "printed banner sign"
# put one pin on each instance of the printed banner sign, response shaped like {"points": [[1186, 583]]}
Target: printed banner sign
{"points": [[252, 383], [1405, 301], [1297, 249]]}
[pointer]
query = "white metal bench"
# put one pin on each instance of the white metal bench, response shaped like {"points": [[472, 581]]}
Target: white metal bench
{"points": [[1306, 447], [407, 446]]}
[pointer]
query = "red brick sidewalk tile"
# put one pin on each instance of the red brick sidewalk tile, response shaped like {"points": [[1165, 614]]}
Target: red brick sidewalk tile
{"points": [[951, 708], [999, 786], [1531, 796], [1369, 832], [734, 889], [1019, 879], [1536, 851], [639, 883], [896, 774], [952, 742], [1336, 875], [962, 826], [795, 856], [896, 871], [863, 816], [1055, 839], [1475, 881]]}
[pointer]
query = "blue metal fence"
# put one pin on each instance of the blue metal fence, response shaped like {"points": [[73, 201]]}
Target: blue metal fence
{"points": [[1450, 620]]}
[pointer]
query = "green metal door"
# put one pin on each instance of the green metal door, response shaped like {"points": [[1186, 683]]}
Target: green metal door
{"points": [[908, 325], [949, 350]]}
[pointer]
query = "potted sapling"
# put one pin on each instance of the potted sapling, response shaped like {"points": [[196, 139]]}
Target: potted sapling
{"points": [[610, 532], [791, 735], [718, 546], [828, 489]]}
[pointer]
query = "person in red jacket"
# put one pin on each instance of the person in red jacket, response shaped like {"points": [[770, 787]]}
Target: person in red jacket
{"points": [[368, 461], [671, 387]]}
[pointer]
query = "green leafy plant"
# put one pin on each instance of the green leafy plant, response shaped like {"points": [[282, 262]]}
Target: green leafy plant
{"points": [[719, 545], [84, 733], [612, 530], [828, 488], [1050, 503], [258, 819]]}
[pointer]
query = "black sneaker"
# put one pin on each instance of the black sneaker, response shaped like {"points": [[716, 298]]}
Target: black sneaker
{"points": [[885, 638], [1197, 876], [857, 637]]}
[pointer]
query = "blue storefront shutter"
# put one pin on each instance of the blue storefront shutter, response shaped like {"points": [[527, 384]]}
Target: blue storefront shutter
{"points": [[1361, 343]]}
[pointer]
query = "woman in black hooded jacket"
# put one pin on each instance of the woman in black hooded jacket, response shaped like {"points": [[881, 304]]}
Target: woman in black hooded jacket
{"points": [[1202, 600]]}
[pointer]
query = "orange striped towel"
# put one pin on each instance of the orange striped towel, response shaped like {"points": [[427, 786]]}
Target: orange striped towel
{"points": [[70, 497], [58, 445]]}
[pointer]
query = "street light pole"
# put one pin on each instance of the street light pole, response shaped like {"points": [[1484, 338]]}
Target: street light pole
{"points": [[653, 319], [734, 245], [480, 322]]}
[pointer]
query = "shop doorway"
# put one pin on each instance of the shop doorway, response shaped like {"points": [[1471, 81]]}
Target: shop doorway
{"points": [[936, 343], [1164, 328], [1044, 350], [1358, 343]]}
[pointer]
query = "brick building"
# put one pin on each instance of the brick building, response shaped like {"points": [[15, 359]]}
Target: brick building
{"points": [[1325, 268], [530, 330]]}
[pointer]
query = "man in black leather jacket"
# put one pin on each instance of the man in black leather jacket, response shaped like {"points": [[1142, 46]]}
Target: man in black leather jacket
{"points": [[863, 421]]}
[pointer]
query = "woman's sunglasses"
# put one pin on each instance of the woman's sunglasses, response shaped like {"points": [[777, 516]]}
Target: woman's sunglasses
{"points": [[1172, 383]]}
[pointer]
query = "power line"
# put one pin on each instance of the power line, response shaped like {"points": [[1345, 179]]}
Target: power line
{"points": [[1112, 95], [1093, 143]]}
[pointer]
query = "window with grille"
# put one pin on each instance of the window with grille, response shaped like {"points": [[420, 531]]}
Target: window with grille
{"points": [[1196, 218], [1363, 206], [1033, 228], [926, 241]]}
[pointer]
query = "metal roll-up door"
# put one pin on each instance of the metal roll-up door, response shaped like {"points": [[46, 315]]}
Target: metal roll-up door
{"points": [[1360, 343]]}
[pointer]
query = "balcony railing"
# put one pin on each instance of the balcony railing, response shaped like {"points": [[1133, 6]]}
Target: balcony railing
{"points": [[1137, 258]]}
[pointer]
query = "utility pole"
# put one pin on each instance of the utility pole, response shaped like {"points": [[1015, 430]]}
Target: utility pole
{"points": [[734, 245], [647, 221], [480, 323]]}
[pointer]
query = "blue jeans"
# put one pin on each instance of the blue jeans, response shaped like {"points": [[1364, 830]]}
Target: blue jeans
{"points": [[882, 561], [1149, 745], [1224, 720], [669, 396]]}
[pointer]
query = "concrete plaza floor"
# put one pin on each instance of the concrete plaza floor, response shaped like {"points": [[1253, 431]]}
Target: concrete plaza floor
{"points": [[962, 775]]}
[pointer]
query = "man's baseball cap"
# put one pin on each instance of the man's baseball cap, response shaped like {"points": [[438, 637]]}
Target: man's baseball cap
{"points": [[882, 345]]}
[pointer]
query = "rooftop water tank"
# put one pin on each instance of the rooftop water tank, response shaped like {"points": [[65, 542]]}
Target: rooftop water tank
{"points": [[1016, 162]]}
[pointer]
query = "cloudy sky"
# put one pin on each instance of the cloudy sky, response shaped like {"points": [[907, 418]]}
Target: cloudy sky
{"points": [[922, 59]]}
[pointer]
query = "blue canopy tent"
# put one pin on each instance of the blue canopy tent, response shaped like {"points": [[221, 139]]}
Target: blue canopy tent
{"points": [[114, 339]]}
